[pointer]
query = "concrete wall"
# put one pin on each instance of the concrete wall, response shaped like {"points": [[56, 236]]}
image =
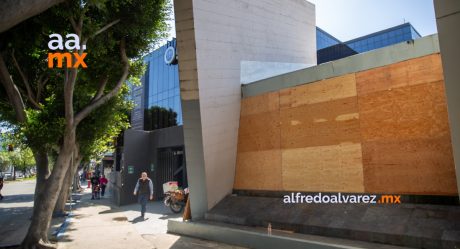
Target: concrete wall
{"points": [[213, 38], [380, 130], [448, 20]]}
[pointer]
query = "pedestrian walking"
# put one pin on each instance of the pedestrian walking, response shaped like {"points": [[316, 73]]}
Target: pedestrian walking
{"points": [[103, 181], [95, 187], [1, 186], [143, 190]]}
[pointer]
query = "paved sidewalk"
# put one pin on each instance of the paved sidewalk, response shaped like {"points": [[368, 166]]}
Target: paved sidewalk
{"points": [[99, 223]]}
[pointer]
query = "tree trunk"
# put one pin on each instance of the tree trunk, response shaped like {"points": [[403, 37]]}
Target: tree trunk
{"points": [[43, 170], [64, 194], [76, 184], [59, 209], [37, 235]]}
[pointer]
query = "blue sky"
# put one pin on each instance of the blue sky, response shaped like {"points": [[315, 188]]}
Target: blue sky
{"points": [[349, 19]]}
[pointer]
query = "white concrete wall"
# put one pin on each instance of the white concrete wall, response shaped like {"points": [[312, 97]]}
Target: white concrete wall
{"points": [[448, 19], [227, 32]]}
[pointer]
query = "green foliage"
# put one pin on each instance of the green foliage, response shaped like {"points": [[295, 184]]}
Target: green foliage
{"points": [[97, 132], [140, 23], [21, 157]]}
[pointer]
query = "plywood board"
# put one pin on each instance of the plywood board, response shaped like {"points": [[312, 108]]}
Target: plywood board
{"points": [[320, 91], [260, 170], [407, 73], [268, 102], [259, 132], [419, 166], [320, 124], [336, 168], [410, 112]]}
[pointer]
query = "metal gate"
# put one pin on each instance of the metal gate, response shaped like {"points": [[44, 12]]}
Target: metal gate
{"points": [[170, 167]]}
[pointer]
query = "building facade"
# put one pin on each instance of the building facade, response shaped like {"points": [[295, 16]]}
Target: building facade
{"points": [[330, 48], [155, 142]]}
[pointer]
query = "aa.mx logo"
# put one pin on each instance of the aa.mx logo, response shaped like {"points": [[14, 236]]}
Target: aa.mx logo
{"points": [[73, 60]]}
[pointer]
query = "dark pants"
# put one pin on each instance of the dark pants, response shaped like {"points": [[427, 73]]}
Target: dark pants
{"points": [[142, 199], [103, 189]]}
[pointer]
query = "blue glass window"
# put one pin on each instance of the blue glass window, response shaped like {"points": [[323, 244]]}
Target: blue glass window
{"points": [[162, 96]]}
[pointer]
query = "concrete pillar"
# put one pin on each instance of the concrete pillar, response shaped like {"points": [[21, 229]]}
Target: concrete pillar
{"points": [[213, 38], [448, 22]]}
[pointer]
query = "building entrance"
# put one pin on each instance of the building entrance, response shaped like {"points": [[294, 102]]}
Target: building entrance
{"points": [[171, 167]]}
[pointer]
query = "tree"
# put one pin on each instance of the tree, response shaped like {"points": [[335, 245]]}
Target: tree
{"points": [[48, 106], [13, 12], [15, 154], [22, 159], [95, 136]]}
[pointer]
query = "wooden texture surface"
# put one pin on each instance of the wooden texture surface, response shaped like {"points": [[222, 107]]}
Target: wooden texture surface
{"points": [[259, 132], [421, 70], [416, 166], [268, 102], [318, 92], [319, 124], [408, 112], [383, 130], [323, 168], [405, 130], [259, 170]]}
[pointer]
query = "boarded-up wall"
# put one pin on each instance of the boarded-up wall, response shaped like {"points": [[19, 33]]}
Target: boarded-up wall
{"points": [[380, 130]]}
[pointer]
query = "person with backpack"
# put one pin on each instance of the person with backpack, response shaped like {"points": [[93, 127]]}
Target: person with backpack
{"points": [[143, 190]]}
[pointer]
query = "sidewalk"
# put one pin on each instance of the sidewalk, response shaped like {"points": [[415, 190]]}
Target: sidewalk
{"points": [[99, 223]]}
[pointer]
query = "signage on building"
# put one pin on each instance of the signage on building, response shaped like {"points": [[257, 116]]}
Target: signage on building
{"points": [[137, 114], [130, 169], [170, 55]]}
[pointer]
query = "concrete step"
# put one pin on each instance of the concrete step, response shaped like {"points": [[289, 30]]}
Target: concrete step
{"points": [[258, 237], [411, 225]]}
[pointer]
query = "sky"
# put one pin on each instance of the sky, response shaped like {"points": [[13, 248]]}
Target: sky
{"points": [[349, 19]]}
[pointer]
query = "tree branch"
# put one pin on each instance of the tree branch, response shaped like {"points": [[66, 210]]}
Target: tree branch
{"points": [[41, 85], [100, 91], [30, 94], [102, 100], [105, 28], [74, 24], [12, 91], [16, 11], [85, 41], [69, 85]]}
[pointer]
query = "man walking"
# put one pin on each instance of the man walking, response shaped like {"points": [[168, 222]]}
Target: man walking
{"points": [[143, 190]]}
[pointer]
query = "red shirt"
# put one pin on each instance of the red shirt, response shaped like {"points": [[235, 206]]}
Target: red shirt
{"points": [[103, 180]]}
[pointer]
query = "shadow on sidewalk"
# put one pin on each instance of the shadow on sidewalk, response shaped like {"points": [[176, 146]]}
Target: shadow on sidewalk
{"points": [[17, 198]]}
